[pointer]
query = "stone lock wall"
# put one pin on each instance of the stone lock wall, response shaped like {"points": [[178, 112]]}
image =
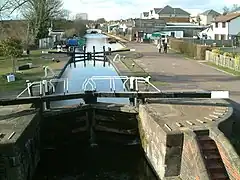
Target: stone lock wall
{"points": [[162, 150]]}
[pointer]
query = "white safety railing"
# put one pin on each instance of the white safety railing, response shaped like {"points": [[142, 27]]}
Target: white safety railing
{"points": [[48, 69], [133, 82], [117, 56], [44, 86]]}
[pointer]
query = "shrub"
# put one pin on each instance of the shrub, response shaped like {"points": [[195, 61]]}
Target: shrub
{"points": [[11, 47], [216, 50], [228, 54]]}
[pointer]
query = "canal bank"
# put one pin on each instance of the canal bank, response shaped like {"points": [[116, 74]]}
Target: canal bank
{"points": [[170, 155], [165, 128]]}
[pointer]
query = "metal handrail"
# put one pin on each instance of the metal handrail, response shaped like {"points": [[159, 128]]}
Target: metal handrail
{"points": [[117, 56], [112, 84], [46, 83]]}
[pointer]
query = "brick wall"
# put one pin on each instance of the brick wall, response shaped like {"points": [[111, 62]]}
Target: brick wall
{"points": [[229, 156], [192, 165]]}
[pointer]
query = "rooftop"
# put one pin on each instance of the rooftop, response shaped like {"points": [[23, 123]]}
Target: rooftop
{"points": [[210, 12], [170, 10], [226, 18]]}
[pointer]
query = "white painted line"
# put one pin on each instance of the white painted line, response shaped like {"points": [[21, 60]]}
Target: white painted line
{"points": [[132, 49], [220, 94], [190, 123], [179, 124], [218, 113], [220, 107], [214, 116], [167, 127], [221, 110], [210, 119], [200, 121]]}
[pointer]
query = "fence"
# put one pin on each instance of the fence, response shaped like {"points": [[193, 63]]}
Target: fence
{"points": [[46, 43], [224, 61], [219, 43]]}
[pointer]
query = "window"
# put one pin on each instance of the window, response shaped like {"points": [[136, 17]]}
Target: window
{"points": [[223, 24], [223, 36], [216, 25]]}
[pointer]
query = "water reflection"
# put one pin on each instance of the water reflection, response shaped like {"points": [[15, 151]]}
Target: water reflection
{"points": [[101, 163], [80, 161], [77, 73]]}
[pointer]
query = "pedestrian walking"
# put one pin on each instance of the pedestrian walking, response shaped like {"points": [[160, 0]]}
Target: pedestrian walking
{"points": [[159, 47], [165, 47]]}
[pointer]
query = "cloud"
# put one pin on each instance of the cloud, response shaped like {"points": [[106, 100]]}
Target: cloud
{"points": [[122, 9]]}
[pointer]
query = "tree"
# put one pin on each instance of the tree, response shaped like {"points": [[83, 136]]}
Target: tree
{"points": [[101, 20], [40, 13], [226, 10], [64, 14], [12, 48], [7, 7], [80, 27]]}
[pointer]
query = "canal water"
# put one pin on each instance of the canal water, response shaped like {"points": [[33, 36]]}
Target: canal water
{"points": [[81, 161]]}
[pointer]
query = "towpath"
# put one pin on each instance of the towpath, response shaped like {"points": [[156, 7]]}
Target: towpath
{"points": [[182, 74]]}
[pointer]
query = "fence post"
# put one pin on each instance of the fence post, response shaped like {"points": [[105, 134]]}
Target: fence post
{"points": [[104, 56], [94, 58], [84, 51], [29, 86], [132, 88]]}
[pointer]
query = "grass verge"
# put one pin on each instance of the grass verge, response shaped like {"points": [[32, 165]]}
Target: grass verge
{"points": [[236, 73], [36, 73]]}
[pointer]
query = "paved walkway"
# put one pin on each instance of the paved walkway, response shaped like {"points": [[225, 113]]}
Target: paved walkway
{"points": [[182, 74]]}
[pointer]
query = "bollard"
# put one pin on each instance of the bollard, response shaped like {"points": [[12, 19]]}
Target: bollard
{"points": [[46, 91]]}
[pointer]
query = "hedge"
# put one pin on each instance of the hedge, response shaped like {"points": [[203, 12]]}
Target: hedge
{"points": [[195, 51]]}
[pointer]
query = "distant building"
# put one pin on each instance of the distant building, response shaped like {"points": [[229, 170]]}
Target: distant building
{"points": [[208, 16], [174, 15], [168, 14], [153, 14], [83, 16], [226, 26], [145, 15]]}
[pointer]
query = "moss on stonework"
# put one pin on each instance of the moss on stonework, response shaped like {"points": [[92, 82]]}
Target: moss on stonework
{"points": [[143, 137]]}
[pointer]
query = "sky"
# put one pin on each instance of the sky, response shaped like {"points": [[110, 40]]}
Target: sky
{"points": [[123, 9]]}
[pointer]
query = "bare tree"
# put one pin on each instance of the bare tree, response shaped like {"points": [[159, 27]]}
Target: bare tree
{"points": [[7, 7], [40, 13]]}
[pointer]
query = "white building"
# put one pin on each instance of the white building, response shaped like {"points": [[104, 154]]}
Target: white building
{"points": [[144, 15], [83, 16], [153, 14], [208, 16], [226, 27]]}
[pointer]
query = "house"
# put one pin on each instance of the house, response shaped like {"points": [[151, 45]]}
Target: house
{"points": [[145, 15], [226, 26], [208, 16], [174, 15], [153, 14]]}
